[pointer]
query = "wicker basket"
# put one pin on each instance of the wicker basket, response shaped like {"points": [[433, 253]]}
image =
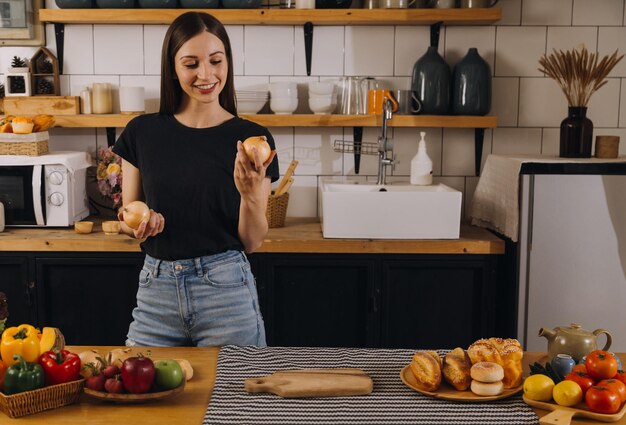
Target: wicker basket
{"points": [[29, 402], [277, 210], [33, 144]]}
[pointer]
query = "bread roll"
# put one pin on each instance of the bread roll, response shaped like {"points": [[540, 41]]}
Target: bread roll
{"points": [[487, 372], [427, 371], [456, 369], [22, 125], [487, 388], [505, 352]]}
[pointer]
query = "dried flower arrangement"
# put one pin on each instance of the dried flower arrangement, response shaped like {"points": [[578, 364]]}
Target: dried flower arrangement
{"points": [[578, 72]]}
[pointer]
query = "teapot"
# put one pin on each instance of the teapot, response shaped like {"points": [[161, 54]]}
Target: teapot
{"points": [[573, 340]]}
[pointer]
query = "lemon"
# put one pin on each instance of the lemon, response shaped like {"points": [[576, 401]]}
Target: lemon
{"points": [[567, 393], [538, 387]]}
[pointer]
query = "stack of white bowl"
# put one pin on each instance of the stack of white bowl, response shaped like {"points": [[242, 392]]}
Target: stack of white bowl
{"points": [[251, 101], [284, 97], [322, 97]]}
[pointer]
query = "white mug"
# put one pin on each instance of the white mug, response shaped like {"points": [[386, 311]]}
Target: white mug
{"points": [[1, 217], [305, 4]]}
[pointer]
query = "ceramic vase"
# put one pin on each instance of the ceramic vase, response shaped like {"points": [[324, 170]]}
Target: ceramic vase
{"points": [[471, 85], [576, 134], [431, 83]]}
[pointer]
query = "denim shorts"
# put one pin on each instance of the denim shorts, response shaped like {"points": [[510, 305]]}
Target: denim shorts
{"points": [[205, 301]]}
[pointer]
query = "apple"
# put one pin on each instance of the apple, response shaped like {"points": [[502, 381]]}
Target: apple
{"points": [[261, 146], [137, 374], [135, 213], [168, 374]]}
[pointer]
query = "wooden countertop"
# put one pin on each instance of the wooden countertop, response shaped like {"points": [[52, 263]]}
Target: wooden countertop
{"points": [[303, 235], [187, 408]]}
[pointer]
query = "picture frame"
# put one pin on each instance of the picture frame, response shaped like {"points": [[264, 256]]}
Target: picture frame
{"points": [[19, 23]]}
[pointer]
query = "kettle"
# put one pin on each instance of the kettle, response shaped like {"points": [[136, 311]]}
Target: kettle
{"points": [[573, 340]]}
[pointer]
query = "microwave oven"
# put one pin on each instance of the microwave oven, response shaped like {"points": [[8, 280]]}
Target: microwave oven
{"points": [[44, 191]]}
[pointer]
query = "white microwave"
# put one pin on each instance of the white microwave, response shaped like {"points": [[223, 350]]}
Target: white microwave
{"points": [[44, 191]]}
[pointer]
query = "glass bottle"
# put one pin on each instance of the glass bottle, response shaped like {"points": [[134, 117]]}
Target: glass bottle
{"points": [[431, 83], [576, 134]]}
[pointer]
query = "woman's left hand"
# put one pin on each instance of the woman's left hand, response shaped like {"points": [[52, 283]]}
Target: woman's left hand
{"points": [[248, 175]]}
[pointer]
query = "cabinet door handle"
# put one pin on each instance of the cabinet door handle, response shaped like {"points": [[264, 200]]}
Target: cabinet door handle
{"points": [[28, 294], [374, 301]]}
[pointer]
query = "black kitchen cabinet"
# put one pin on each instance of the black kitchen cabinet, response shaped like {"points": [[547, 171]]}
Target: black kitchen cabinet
{"points": [[15, 283]]}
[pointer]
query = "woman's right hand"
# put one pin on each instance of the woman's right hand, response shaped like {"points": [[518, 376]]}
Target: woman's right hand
{"points": [[152, 227]]}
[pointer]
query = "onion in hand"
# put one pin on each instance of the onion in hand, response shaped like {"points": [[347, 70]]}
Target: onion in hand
{"points": [[135, 213], [261, 145]]}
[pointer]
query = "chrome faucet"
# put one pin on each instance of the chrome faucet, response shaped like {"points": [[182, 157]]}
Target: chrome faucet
{"points": [[384, 144]]}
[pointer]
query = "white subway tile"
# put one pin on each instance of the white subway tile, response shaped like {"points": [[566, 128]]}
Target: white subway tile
{"points": [[152, 46], [458, 150], [244, 82], [517, 141], [268, 50], [518, 50], [460, 39], [284, 141], [327, 53], [411, 43], [542, 103], [64, 81], [594, 12], [303, 197], [511, 12], [118, 49], [405, 141], [505, 100], [568, 38], [314, 151], [73, 139], [369, 50], [542, 12], [603, 108], [151, 85], [78, 52], [609, 40], [550, 142], [235, 35], [622, 106]]}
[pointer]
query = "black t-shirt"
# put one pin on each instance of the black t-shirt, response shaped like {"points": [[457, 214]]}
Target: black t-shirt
{"points": [[187, 175]]}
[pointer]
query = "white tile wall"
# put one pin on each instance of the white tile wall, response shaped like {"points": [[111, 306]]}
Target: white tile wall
{"points": [[528, 105]]}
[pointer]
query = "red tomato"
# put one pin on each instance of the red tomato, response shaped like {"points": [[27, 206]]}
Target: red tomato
{"points": [[601, 364], [602, 400], [620, 376], [581, 379], [614, 385], [580, 368]]}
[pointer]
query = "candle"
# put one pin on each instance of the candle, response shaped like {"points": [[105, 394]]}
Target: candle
{"points": [[101, 99]]}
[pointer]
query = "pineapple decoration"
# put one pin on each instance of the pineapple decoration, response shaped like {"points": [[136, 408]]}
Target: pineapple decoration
{"points": [[45, 73]]}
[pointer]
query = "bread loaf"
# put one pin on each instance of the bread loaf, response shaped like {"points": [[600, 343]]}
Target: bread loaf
{"points": [[427, 371], [456, 369], [505, 352]]}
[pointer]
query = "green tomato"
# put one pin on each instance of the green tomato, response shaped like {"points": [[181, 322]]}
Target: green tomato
{"points": [[168, 374]]}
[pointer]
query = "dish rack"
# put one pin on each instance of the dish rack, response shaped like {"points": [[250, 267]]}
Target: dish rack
{"points": [[348, 146]]}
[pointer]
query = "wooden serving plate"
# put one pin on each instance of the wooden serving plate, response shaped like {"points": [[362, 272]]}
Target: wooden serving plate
{"points": [[562, 415], [446, 392], [134, 398]]}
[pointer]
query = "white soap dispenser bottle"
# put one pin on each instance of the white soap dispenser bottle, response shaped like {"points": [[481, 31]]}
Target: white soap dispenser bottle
{"points": [[421, 165]]}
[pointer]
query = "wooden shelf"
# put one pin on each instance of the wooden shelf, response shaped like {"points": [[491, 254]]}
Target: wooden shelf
{"points": [[304, 120], [278, 16]]}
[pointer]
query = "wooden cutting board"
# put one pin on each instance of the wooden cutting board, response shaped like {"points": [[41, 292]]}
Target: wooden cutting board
{"points": [[562, 415], [312, 383]]}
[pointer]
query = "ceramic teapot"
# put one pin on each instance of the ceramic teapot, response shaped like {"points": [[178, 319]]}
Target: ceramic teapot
{"points": [[573, 340]]}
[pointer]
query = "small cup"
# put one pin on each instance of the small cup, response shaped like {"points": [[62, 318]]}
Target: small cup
{"points": [[375, 99], [477, 3], [563, 364], [111, 227], [305, 4], [83, 227], [607, 146], [408, 103]]}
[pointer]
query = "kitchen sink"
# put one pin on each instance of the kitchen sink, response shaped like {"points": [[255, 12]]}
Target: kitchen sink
{"points": [[355, 209]]}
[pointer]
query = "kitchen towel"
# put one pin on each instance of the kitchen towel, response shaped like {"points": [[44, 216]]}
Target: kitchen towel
{"points": [[495, 204], [391, 402]]}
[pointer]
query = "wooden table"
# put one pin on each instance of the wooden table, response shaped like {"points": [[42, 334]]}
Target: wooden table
{"points": [[187, 408]]}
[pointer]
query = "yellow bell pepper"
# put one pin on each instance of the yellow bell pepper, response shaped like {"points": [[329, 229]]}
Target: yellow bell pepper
{"points": [[23, 340]]}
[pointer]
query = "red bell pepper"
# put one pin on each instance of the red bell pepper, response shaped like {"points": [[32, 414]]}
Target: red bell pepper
{"points": [[60, 366]]}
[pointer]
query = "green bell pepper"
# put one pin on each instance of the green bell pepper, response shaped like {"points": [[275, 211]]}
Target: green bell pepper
{"points": [[23, 376]]}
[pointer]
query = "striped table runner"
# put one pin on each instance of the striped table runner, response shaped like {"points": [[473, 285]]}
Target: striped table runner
{"points": [[391, 402]]}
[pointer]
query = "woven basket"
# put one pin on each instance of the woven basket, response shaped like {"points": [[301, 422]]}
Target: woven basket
{"points": [[277, 210], [29, 402], [33, 144]]}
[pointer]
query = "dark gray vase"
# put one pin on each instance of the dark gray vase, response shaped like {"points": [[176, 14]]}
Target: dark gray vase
{"points": [[471, 85], [75, 4], [431, 83]]}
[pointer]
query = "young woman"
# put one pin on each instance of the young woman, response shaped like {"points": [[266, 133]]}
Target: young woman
{"points": [[207, 198]]}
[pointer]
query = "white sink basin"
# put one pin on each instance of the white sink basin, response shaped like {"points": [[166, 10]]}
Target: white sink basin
{"points": [[352, 209]]}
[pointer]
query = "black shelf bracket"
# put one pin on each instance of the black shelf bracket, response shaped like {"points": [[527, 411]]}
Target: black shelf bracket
{"points": [[308, 45], [59, 36], [435, 29], [358, 142], [479, 136], [110, 136]]}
